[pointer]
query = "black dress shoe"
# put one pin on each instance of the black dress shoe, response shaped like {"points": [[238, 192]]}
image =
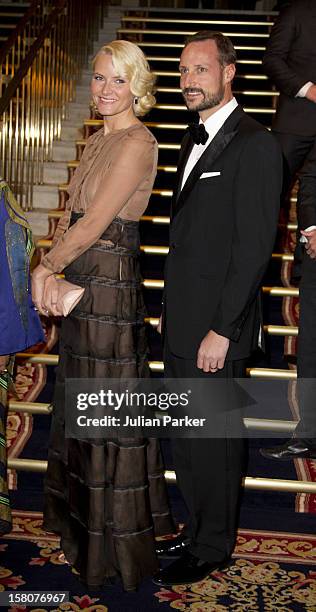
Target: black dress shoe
{"points": [[186, 570], [172, 549], [292, 449]]}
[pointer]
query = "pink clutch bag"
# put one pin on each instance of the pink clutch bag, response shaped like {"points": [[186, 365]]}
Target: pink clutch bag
{"points": [[68, 296]]}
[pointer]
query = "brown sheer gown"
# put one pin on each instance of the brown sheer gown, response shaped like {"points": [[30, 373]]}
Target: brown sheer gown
{"points": [[106, 499]]}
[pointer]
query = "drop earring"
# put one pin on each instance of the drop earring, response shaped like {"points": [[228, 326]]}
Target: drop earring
{"points": [[93, 106]]}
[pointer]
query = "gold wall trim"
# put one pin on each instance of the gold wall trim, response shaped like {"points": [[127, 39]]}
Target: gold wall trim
{"points": [[156, 219], [266, 484], [281, 291], [187, 33], [4, 14], [27, 465], [134, 19], [44, 358], [165, 58], [46, 243], [254, 77], [180, 46], [167, 126], [271, 425], [271, 374], [250, 482], [30, 407], [283, 256], [182, 107], [154, 250], [153, 283], [162, 145], [281, 330], [166, 193]]}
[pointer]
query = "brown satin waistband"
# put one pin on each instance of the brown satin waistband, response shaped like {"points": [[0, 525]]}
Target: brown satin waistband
{"points": [[123, 233]]}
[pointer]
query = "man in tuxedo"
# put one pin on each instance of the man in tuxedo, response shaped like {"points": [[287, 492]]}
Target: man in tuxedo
{"points": [[290, 61], [223, 224]]}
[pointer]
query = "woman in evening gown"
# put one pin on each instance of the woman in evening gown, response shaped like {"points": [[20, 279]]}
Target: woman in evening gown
{"points": [[105, 498]]}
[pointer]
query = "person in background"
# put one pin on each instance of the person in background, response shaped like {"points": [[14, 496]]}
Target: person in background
{"points": [[290, 62], [20, 326]]}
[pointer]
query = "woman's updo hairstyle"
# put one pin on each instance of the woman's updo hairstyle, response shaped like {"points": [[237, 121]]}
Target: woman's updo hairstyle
{"points": [[129, 61]]}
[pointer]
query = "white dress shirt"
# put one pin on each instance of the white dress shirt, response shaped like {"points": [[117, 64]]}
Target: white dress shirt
{"points": [[303, 91], [212, 125]]}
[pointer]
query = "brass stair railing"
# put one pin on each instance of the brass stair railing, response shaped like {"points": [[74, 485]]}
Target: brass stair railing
{"points": [[40, 64]]}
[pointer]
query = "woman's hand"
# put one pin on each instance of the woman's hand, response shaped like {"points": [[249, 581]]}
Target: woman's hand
{"points": [[4, 360], [39, 276], [50, 296]]}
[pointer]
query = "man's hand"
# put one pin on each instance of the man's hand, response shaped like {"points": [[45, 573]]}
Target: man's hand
{"points": [[310, 246], [212, 352], [311, 93], [4, 360]]}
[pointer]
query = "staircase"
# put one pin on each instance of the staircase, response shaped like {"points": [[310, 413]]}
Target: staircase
{"points": [[10, 14]]}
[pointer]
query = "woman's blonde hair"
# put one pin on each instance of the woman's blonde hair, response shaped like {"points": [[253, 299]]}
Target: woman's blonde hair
{"points": [[129, 60]]}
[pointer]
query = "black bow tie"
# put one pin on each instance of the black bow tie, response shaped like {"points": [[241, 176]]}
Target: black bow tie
{"points": [[198, 133]]}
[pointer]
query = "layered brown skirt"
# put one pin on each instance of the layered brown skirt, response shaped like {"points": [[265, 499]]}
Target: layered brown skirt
{"points": [[105, 498]]}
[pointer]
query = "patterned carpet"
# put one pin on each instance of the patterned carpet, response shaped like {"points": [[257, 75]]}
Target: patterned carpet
{"points": [[271, 571]]}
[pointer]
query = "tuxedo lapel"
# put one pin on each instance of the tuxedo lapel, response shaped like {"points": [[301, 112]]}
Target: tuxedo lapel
{"points": [[219, 143]]}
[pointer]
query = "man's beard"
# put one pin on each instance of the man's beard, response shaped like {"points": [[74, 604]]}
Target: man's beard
{"points": [[209, 100]]}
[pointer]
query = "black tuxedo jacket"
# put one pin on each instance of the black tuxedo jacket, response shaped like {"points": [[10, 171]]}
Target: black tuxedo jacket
{"points": [[221, 238], [290, 62]]}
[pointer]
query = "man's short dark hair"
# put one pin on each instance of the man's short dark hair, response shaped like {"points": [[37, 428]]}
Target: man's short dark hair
{"points": [[226, 50]]}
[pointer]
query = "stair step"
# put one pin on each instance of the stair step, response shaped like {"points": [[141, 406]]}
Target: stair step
{"points": [[84, 84], [167, 58], [154, 32], [85, 81], [110, 26], [63, 150], [71, 131], [55, 173], [78, 106], [83, 95], [38, 221], [110, 23], [16, 5], [209, 20], [45, 197], [79, 110], [114, 11]]}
